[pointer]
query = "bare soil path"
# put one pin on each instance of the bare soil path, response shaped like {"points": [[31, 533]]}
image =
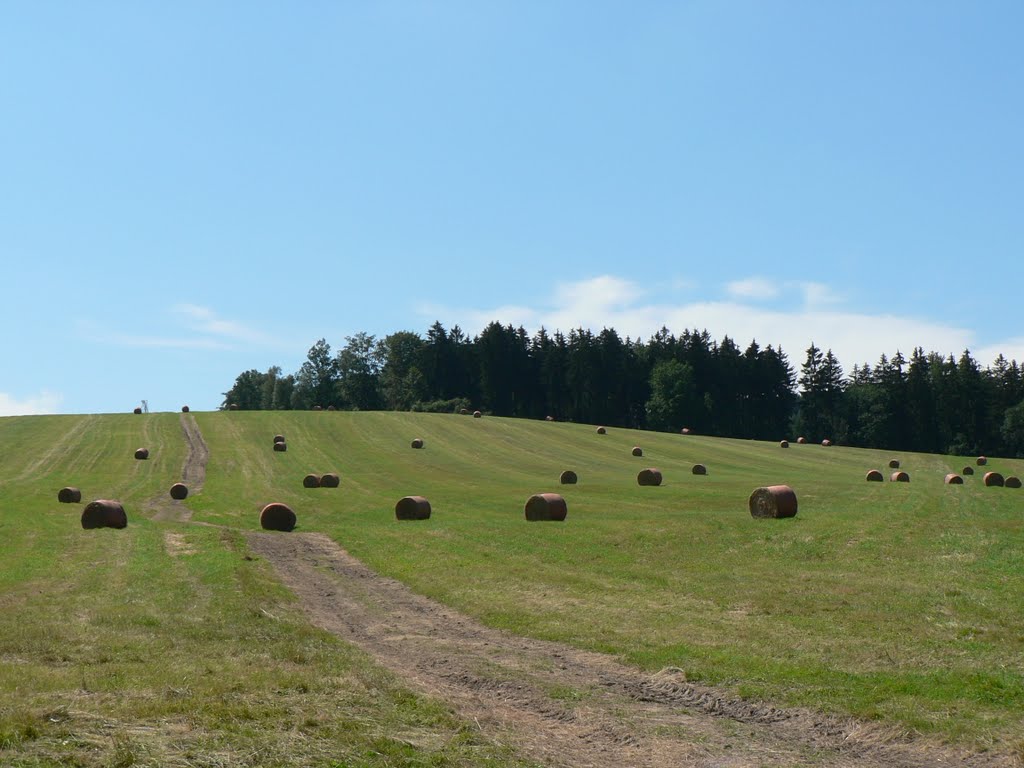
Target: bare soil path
{"points": [[566, 707], [193, 474]]}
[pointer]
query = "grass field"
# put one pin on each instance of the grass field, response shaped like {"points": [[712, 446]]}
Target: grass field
{"points": [[888, 601]]}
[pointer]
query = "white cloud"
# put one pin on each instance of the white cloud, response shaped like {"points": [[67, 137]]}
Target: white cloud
{"points": [[205, 320], [196, 327], [816, 316], [753, 288], [43, 402]]}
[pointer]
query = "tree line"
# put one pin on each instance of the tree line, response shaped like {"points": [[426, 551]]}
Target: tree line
{"points": [[930, 403]]}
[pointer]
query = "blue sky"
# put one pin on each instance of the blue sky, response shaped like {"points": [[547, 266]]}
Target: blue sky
{"points": [[189, 190]]}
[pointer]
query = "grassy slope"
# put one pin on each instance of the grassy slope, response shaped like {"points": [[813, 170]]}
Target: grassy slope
{"points": [[118, 650], [900, 602], [884, 600]]}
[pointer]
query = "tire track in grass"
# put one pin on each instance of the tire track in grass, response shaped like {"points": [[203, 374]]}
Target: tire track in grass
{"points": [[564, 706]]}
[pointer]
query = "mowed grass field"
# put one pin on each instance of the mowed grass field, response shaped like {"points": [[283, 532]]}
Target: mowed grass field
{"points": [[902, 603]]}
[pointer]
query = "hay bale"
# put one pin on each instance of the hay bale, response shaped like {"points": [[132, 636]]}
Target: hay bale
{"points": [[993, 479], [69, 495], [602, 431], [784, 444], [546, 506], [1012, 482], [899, 477], [311, 481], [330, 480], [826, 442], [318, 408], [801, 440], [685, 431], [281, 447], [968, 470], [417, 443], [699, 469], [331, 408], [233, 407], [137, 411], [142, 454], [184, 409], [279, 439], [894, 463], [277, 517], [649, 476], [549, 418], [477, 414], [874, 476], [104, 513], [179, 491], [412, 508], [568, 477], [638, 451], [774, 501], [954, 479], [982, 461]]}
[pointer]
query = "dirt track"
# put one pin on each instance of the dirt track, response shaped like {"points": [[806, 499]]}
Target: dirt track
{"points": [[193, 474], [562, 706]]}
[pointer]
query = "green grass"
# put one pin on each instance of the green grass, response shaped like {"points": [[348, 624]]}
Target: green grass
{"points": [[118, 650], [894, 602]]}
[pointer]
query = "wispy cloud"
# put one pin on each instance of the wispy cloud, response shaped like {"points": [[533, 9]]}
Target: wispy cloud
{"points": [[811, 312], [190, 326], [753, 288], [42, 402]]}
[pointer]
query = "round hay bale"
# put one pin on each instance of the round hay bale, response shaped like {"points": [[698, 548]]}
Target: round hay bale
{"points": [[311, 481], [602, 431], [233, 407], [281, 447], [968, 470], [331, 408], [801, 440], [463, 411], [982, 461], [638, 451], [546, 506], [899, 477], [279, 438], [954, 479], [69, 495], [549, 418], [894, 463], [318, 407], [417, 443], [142, 454], [826, 442], [994, 479], [784, 444], [330, 480], [649, 476], [179, 491], [699, 469], [412, 508], [104, 513], [184, 409], [477, 414], [874, 476], [685, 431], [1012, 482], [568, 477], [137, 410], [277, 517], [774, 501]]}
